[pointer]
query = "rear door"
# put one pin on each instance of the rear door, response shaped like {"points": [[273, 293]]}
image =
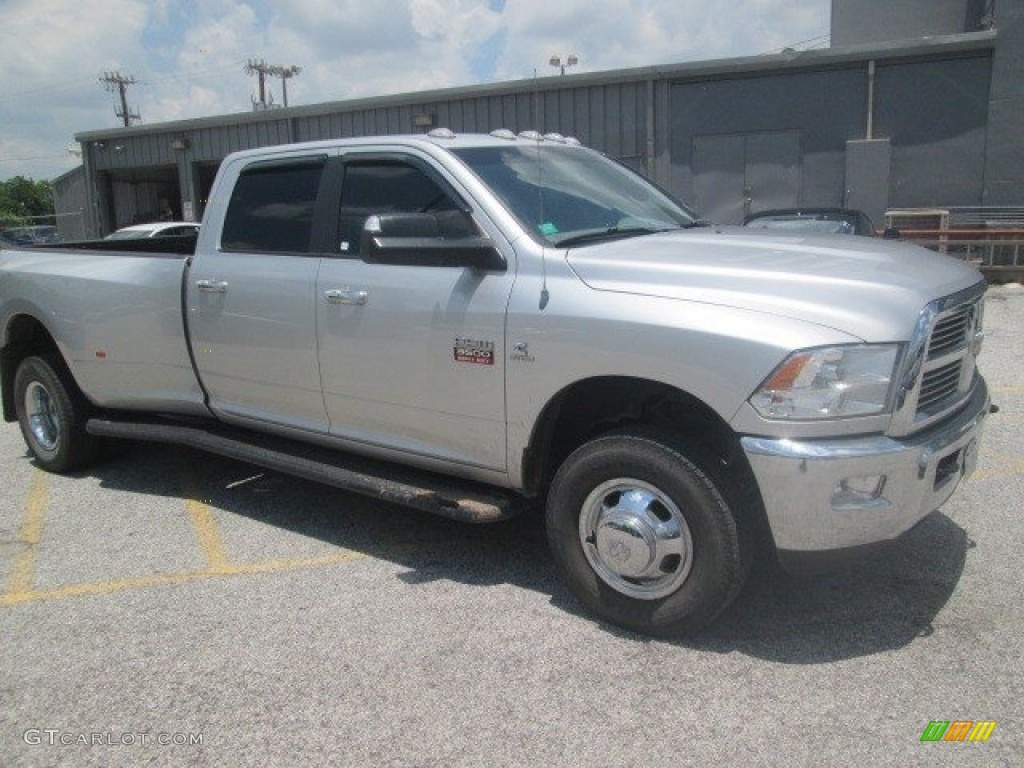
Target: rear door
{"points": [[252, 303]]}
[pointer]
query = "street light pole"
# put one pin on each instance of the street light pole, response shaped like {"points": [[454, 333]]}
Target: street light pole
{"points": [[570, 61]]}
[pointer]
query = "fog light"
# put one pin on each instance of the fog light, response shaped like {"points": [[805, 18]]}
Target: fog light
{"points": [[859, 493]]}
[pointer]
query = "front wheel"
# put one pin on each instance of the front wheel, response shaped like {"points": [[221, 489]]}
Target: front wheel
{"points": [[52, 413], [642, 534]]}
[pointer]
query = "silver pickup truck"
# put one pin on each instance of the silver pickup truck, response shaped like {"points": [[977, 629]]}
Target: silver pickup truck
{"points": [[467, 324]]}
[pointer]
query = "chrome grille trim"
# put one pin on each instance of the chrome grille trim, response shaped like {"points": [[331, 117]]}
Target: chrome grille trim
{"points": [[951, 332], [937, 374], [937, 385]]}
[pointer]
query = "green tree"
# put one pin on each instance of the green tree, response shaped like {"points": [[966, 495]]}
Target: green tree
{"points": [[21, 198]]}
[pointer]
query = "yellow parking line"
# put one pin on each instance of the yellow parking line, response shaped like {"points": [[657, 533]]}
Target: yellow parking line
{"points": [[205, 528], [204, 524], [169, 579], [1008, 390], [23, 571], [1004, 469]]}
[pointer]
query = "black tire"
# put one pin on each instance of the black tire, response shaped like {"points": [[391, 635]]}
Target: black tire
{"points": [[52, 413], [655, 505]]}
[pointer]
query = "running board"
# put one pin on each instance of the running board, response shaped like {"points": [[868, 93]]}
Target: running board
{"points": [[465, 501]]}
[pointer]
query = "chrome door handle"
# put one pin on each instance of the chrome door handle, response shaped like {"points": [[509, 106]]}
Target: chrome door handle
{"points": [[212, 286], [345, 296]]}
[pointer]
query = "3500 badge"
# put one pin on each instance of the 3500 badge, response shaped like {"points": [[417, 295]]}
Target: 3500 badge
{"points": [[477, 351]]}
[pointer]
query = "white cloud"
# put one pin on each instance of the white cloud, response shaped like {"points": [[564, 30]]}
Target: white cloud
{"points": [[624, 33], [189, 56]]}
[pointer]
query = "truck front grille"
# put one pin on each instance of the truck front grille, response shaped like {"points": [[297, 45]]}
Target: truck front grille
{"points": [[951, 332], [937, 386], [939, 371]]}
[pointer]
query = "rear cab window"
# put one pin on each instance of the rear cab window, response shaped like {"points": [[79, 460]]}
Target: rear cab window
{"points": [[272, 205]]}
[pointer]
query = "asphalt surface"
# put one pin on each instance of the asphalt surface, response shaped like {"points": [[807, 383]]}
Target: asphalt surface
{"points": [[247, 618]]}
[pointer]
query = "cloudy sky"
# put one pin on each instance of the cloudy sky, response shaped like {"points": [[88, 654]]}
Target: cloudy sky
{"points": [[188, 56]]}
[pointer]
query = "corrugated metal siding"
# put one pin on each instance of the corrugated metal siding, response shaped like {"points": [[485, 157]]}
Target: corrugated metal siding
{"points": [[932, 106], [610, 118], [936, 114], [826, 107]]}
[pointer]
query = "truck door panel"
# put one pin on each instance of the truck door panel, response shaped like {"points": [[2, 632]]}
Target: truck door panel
{"points": [[411, 357], [251, 305]]}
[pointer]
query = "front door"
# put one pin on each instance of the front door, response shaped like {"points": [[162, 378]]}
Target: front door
{"points": [[411, 356]]}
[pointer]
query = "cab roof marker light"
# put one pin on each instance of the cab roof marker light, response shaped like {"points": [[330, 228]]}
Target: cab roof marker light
{"points": [[572, 141], [441, 133], [531, 136], [556, 137], [503, 133]]}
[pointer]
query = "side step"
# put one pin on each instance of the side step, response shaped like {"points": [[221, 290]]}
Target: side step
{"points": [[440, 495]]}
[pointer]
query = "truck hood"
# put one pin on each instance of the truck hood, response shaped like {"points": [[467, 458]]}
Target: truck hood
{"points": [[871, 289]]}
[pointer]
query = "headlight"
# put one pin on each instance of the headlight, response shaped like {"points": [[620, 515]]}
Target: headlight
{"points": [[829, 383]]}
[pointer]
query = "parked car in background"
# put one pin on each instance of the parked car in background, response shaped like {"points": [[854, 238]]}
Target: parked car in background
{"points": [[34, 235], [156, 229], [823, 221]]}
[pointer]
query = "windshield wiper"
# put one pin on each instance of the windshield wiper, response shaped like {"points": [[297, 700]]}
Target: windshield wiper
{"points": [[611, 233], [697, 223]]}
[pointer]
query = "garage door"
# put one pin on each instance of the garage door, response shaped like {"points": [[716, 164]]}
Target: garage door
{"points": [[739, 174]]}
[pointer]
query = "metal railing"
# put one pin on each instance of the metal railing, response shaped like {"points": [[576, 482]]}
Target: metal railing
{"points": [[985, 247]]}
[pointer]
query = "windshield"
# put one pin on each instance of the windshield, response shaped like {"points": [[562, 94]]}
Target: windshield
{"points": [[797, 224], [568, 195]]}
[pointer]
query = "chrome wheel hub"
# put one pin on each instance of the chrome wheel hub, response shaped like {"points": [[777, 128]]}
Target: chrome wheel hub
{"points": [[42, 418], [636, 539]]}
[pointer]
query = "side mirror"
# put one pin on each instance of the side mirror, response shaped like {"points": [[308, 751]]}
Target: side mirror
{"points": [[447, 239]]}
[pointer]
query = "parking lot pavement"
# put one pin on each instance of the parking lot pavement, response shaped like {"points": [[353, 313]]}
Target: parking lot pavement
{"points": [[172, 608]]}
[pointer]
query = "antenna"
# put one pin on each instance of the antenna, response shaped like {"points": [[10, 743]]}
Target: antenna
{"points": [[536, 136], [544, 295]]}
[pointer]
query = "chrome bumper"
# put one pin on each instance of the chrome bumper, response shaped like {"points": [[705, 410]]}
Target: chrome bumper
{"points": [[824, 496]]}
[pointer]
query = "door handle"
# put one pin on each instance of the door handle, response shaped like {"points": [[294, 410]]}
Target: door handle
{"points": [[212, 286], [345, 296]]}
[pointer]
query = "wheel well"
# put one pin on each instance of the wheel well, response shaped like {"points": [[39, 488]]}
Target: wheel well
{"points": [[25, 336], [595, 406], [592, 407]]}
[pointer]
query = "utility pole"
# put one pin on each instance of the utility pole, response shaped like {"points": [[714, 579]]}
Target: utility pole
{"points": [[117, 81], [285, 73], [261, 69]]}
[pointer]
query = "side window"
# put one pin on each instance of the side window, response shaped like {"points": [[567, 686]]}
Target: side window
{"points": [[271, 208], [385, 186]]}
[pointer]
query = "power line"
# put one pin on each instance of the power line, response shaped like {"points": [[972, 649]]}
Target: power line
{"points": [[68, 84], [36, 157], [190, 75], [43, 88], [811, 42]]}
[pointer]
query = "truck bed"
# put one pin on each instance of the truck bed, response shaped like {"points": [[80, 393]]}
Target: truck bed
{"points": [[120, 326]]}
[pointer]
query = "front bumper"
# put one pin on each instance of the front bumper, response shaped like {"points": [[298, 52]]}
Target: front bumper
{"points": [[826, 498]]}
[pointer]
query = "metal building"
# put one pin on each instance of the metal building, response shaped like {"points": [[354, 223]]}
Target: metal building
{"points": [[917, 103]]}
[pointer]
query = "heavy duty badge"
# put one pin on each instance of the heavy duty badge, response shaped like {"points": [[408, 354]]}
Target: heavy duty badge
{"points": [[477, 351]]}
